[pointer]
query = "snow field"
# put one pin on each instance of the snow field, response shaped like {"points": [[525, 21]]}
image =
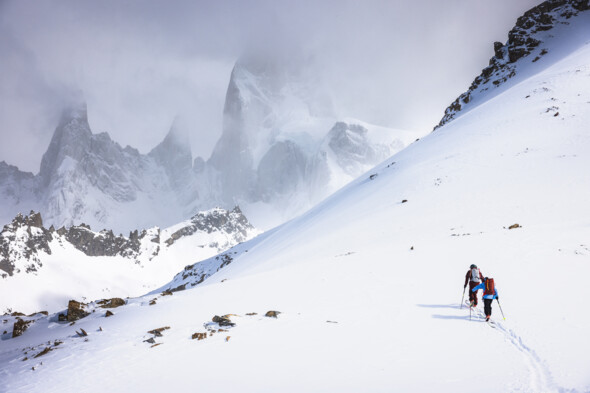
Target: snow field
{"points": [[389, 273]]}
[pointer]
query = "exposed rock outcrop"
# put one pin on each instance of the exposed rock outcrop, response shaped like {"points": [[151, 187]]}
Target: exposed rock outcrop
{"points": [[76, 311], [23, 239], [232, 222], [524, 38], [19, 327], [111, 303]]}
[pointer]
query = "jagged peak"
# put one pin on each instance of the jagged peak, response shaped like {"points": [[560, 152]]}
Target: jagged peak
{"points": [[177, 139], [71, 138], [33, 219]]}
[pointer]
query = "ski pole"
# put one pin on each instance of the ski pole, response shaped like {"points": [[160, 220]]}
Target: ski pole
{"points": [[463, 298], [501, 309]]}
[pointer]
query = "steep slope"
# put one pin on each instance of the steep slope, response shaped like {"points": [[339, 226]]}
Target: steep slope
{"points": [[533, 44], [42, 268], [368, 283]]}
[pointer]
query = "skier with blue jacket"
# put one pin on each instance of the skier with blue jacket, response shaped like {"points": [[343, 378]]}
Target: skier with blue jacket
{"points": [[489, 294]]}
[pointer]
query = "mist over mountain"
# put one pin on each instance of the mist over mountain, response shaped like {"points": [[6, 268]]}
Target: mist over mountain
{"points": [[142, 63], [362, 292], [282, 150]]}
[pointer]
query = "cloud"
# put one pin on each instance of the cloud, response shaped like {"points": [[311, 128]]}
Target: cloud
{"points": [[142, 63]]}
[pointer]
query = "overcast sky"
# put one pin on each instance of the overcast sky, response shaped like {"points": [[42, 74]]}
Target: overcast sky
{"points": [[396, 63]]}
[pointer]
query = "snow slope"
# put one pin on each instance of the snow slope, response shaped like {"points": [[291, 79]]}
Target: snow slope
{"points": [[47, 267], [369, 281], [534, 43]]}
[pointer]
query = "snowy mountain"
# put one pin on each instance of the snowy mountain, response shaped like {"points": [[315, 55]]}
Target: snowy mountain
{"points": [[280, 152], [533, 44], [86, 177], [47, 266], [362, 293], [282, 148]]}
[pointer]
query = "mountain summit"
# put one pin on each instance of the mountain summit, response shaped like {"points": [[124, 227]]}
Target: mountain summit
{"points": [[534, 43], [278, 139], [281, 150]]}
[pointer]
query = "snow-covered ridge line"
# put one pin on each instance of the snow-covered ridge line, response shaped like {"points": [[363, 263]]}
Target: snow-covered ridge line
{"points": [[40, 268], [25, 238], [526, 38]]}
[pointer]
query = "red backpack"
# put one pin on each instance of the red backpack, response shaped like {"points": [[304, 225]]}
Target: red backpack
{"points": [[490, 288]]}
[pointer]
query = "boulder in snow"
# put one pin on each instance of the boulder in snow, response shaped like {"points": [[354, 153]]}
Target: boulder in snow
{"points": [[76, 311]]}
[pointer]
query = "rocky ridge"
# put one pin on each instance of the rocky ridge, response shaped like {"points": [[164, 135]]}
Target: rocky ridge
{"points": [[24, 240], [526, 38]]}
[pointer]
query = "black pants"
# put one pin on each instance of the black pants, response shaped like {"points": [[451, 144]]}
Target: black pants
{"points": [[487, 306]]}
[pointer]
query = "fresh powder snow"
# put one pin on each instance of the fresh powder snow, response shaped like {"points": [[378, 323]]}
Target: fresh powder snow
{"points": [[364, 291], [369, 282]]}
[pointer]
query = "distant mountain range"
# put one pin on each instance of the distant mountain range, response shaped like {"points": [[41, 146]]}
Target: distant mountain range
{"points": [[77, 260], [281, 151], [363, 291]]}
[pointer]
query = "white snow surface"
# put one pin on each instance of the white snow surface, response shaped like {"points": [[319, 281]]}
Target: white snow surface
{"points": [[68, 273], [369, 286]]}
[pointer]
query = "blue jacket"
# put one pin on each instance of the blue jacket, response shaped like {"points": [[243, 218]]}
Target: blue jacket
{"points": [[483, 286]]}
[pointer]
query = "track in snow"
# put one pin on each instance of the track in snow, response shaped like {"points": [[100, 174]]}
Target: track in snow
{"points": [[541, 380]]}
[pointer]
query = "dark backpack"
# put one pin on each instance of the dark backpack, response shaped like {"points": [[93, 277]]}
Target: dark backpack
{"points": [[490, 288]]}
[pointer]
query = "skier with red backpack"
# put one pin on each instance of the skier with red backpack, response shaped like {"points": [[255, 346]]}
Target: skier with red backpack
{"points": [[474, 278], [489, 294]]}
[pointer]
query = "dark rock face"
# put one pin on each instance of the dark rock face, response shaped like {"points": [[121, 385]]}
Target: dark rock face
{"points": [[498, 50], [197, 273], [158, 332], [76, 311], [272, 314], [522, 40], [43, 352], [233, 222], [104, 243], [111, 303], [199, 336], [223, 321], [23, 239], [19, 327]]}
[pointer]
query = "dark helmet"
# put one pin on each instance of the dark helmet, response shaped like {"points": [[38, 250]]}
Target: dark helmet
{"points": [[473, 266], [485, 278]]}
